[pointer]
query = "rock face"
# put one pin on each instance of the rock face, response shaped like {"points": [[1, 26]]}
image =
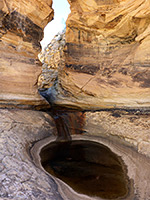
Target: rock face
{"points": [[52, 59], [133, 128], [19, 177], [21, 30], [104, 64], [106, 57]]}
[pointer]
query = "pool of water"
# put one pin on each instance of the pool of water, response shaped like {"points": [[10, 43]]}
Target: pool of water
{"points": [[88, 167]]}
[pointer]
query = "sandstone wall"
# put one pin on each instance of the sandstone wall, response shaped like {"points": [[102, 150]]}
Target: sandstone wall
{"points": [[21, 30], [107, 60]]}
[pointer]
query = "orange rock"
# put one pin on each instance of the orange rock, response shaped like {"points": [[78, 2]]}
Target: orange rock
{"points": [[107, 60], [21, 31]]}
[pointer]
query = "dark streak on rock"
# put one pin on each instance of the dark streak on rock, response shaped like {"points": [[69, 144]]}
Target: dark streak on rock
{"points": [[12, 46], [2, 27], [123, 70], [124, 111], [143, 78], [116, 114], [78, 50], [114, 22], [32, 60], [114, 83], [88, 69], [22, 60], [22, 26]]}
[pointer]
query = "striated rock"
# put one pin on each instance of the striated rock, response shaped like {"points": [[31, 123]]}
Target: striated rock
{"points": [[106, 57], [21, 30], [104, 65], [23, 130]]}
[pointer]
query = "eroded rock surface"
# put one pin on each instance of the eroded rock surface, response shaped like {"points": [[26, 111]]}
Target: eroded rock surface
{"points": [[19, 177], [137, 168], [52, 59], [106, 61], [132, 127], [21, 30]]}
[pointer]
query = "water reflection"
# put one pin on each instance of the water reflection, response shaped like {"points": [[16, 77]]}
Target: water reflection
{"points": [[88, 167]]}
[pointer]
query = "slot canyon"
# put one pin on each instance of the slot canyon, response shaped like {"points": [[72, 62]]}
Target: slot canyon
{"points": [[75, 118]]}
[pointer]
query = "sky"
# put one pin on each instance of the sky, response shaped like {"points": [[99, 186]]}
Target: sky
{"points": [[61, 11]]}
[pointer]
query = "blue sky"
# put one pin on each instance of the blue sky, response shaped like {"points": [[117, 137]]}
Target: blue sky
{"points": [[61, 11]]}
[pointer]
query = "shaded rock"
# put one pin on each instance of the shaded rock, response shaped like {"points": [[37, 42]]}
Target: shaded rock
{"points": [[137, 166], [19, 177]]}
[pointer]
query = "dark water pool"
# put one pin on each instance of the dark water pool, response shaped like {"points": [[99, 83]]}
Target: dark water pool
{"points": [[88, 167]]}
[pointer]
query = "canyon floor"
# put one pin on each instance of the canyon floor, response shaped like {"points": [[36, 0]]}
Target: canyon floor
{"points": [[22, 178]]}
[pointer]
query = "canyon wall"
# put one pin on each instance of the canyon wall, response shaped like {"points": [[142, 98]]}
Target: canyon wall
{"points": [[106, 56], [21, 30], [102, 63]]}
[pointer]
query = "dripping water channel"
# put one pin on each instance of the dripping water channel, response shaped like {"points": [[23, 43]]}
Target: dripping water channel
{"points": [[88, 167]]}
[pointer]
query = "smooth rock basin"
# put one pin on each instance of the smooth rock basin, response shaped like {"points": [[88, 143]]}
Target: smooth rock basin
{"points": [[88, 167]]}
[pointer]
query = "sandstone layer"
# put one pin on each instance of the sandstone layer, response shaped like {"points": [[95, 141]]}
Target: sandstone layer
{"points": [[106, 62], [21, 30]]}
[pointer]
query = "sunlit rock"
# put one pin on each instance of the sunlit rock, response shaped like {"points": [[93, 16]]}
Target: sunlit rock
{"points": [[103, 64], [21, 30], [106, 57], [52, 59]]}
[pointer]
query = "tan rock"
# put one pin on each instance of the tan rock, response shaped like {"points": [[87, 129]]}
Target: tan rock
{"points": [[106, 61], [21, 29]]}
